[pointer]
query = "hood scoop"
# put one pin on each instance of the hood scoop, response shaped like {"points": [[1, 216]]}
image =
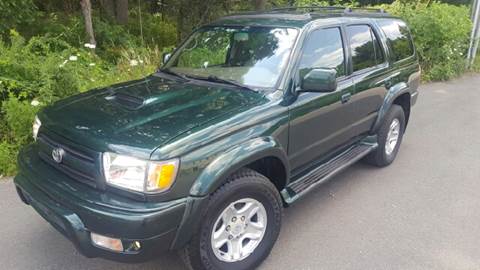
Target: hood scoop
{"points": [[127, 101]]}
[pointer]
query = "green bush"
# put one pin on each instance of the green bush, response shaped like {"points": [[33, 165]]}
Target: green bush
{"points": [[476, 64], [441, 34], [18, 117], [111, 38], [8, 153], [16, 12], [46, 69], [16, 131], [156, 32], [33, 69], [343, 3]]}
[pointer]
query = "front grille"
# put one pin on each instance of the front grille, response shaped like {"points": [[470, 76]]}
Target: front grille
{"points": [[79, 163]]}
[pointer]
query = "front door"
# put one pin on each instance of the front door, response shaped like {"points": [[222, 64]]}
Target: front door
{"points": [[321, 122]]}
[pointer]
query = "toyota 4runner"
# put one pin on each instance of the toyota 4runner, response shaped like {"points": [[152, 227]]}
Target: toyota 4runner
{"points": [[249, 114]]}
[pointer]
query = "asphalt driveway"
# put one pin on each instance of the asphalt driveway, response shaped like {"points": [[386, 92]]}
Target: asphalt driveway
{"points": [[422, 212]]}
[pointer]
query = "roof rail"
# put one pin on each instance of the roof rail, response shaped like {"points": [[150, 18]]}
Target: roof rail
{"points": [[376, 10], [309, 8], [328, 8]]}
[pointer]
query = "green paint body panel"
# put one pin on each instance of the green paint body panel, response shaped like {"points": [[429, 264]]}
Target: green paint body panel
{"points": [[214, 129]]}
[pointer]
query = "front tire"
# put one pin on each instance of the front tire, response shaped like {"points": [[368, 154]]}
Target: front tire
{"points": [[389, 137], [240, 225]]}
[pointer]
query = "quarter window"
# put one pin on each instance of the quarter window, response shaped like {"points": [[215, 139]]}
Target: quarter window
{"points": [[365, 48], [323, 49], [398, 37]]}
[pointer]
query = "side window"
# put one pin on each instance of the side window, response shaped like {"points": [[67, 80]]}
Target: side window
{"points": [[398, 37], [323, 49], [365, 48]]}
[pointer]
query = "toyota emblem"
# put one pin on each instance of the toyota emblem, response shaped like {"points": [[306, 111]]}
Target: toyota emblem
{"points": [[57, 154]]}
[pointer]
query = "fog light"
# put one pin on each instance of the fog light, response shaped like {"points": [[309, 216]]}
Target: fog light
{"points": [[107, 242], [134, 246]]}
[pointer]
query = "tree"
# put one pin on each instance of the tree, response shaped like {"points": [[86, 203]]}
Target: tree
{"points": [[109, 7], [116, 9], [122, 11], [87, 15], [260, 4]]}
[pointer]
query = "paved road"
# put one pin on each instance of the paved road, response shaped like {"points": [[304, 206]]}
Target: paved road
{"points": [[419, 213]]}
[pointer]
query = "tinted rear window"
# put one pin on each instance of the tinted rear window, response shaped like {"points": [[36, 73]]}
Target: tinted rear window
{"points": [[366, 51], [398, 37]]}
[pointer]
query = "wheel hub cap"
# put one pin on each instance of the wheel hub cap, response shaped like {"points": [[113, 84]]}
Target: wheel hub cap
{"points": [[392, 136], [239, 230]]}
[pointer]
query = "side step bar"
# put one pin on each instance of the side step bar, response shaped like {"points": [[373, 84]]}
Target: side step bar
{"points": [[326, 171]]}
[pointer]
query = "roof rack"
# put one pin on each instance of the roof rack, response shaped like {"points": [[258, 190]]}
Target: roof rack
{"points": [[374, 10], [329, 8]]}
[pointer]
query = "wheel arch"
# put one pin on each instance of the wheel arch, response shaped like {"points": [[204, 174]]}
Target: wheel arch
{"points": [[254, 154], [404, 100], [399, 95]]}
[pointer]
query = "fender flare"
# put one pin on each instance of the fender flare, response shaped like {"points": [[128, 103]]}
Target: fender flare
{"points": [[216, 173], [394, 92]]}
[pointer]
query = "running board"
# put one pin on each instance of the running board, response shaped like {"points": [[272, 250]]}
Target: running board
{"points": [[326, 171]]}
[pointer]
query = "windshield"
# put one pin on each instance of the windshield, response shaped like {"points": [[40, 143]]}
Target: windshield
{"points": [[252, 56]]}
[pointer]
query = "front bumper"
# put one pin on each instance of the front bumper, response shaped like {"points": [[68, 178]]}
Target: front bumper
{"points": [[61, 201]]}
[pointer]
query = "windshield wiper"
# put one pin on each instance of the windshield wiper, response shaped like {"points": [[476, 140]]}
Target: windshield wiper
{"points": [[216, 79], [176, 74]]}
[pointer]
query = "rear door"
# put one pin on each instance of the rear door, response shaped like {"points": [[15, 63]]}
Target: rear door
{"points": [[369, 74]]}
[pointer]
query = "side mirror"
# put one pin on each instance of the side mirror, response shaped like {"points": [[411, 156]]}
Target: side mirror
{"points": [[166, 56], [319, 80]]}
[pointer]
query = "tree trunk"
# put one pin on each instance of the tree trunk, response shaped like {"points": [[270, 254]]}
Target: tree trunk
{"points": [[180, 23], [87, 15], [260, 4], [122, 11], [69, 6], [161, 3], [109, 7], [182, 19]]}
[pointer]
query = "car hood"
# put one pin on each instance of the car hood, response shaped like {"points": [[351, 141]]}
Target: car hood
{"points": [[138, 116]]}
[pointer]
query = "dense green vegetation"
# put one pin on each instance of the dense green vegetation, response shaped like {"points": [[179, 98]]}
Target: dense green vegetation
{"points": [[441, 33], [45, 51]]}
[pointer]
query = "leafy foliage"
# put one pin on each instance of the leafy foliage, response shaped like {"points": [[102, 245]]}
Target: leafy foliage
{"points": [[343, 3], [16, 129], [44, 69], [15, 12], [441, 35], [476, 65]]}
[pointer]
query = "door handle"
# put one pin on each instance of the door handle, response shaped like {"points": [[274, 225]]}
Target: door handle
{"points": [[346, 97]]}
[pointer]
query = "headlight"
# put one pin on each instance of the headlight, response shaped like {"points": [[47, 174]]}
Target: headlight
{"points": [[36, 127], [139, 175]]}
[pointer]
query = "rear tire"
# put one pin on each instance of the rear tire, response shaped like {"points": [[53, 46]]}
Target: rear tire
{"points": [[389, 138], [245, 192]]}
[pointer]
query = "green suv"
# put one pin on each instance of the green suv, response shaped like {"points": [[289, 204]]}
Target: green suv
{"points": [[248, 115]]}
